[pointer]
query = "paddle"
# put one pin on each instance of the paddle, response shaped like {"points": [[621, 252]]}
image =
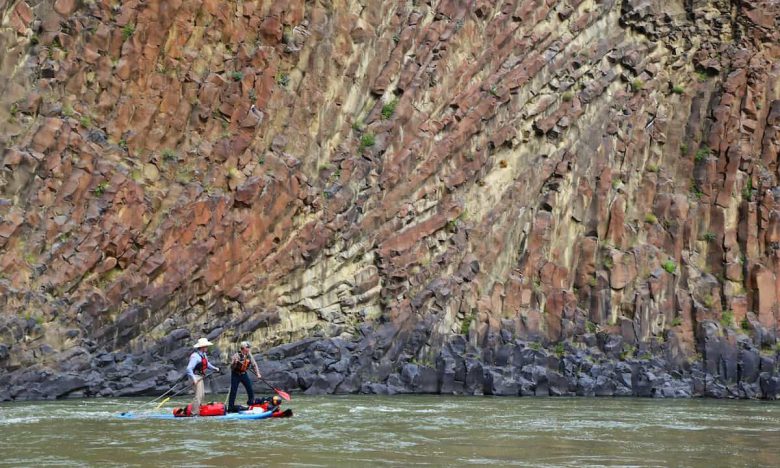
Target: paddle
{"points": [[281, 393], [186, 387], [175, 384]]}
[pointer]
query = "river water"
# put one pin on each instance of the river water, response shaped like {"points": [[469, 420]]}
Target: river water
{"points": [[402, 431]]}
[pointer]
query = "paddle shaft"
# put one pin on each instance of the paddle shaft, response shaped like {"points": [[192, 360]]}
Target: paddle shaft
{"points": [[175, 394], [281, 393], [176, 384]]}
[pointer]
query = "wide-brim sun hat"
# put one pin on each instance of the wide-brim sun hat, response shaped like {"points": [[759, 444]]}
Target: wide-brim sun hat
{"points": [[202, 342]]}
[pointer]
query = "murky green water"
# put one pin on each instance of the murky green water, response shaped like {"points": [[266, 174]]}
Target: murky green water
{"points": [[403, 430]]}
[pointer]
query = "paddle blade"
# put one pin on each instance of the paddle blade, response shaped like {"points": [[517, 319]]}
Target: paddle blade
{"points": [[283, 394], [163, 402]]}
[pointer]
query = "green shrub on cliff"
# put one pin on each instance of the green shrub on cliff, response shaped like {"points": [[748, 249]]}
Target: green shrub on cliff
{"points": [[637, 85], [727, 318], [678, 89], [669, 266], [366, 141], [168, 155], [100, 189], [128, 30], [389, 109], [702, 154]]}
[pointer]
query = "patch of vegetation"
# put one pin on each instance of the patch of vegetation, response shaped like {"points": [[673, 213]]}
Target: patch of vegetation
{"points": [[67, 110], [128, 30], [651, 218], [389, 109], [608, 263], [628, 353], [745, 325], [727, 318], [396, 38], [591, 327], [747, 192], [709, 236], [493, 91], [123, 144], [684, 149], [366, 141], [652, 168], [709, 300], [702, 154], [184, 175], [567, 96], [168, 155], [100, 189], [637, 85], [560, 350], [85, 121], [466, 325], [357, 125], [670, 266], [592, 281], [237, 76], [536, 346], [261, 160], [696, 190], [677, 322], [678, 89], [282, 79]]}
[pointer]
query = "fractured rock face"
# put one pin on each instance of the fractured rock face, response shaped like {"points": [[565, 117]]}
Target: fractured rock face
{"points": [[398, 175]]}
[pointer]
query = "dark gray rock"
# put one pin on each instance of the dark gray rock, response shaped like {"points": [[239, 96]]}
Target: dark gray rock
{"points": [[770, 386], [325, 384]]}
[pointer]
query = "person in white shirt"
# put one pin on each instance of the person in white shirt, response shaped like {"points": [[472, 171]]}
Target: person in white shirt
{"points": [[196, 369]]}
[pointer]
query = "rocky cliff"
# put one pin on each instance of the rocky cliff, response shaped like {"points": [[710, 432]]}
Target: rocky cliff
{"points": [[515, 197]]}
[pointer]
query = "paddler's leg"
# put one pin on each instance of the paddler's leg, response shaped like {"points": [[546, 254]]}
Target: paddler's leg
{"points": [[199, 392], [234, 379], [250, 394]]}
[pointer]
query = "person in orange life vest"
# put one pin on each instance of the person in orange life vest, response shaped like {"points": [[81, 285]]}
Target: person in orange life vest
{"points": [[196, 369], [273, 403], [240, 364]]}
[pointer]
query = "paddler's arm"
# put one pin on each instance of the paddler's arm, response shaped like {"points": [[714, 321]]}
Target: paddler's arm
{"points": [[194, 358]]}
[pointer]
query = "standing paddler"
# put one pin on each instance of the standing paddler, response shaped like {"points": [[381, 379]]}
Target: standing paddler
{"points": [[241, 362], [196, 369]]}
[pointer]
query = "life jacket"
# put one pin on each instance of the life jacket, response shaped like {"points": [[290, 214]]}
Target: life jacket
{"points": [[241, 366], [200, 368]]}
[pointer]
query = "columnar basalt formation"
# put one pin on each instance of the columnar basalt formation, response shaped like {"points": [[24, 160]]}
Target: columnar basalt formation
{"points": [[520, 197]]}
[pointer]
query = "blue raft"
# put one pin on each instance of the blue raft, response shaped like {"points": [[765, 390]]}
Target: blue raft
{"points": [[239, 415]]}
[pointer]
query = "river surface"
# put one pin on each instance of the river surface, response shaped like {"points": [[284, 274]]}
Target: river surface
{"points": [[402, 431]]}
